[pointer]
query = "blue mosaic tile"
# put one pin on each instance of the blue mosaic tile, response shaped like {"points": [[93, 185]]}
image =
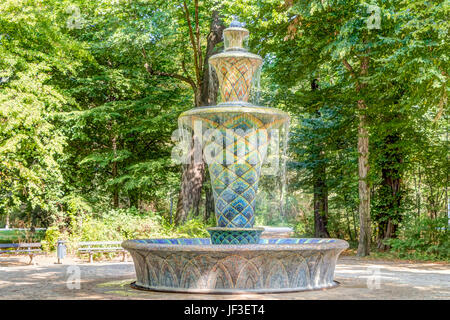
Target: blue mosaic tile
{"points": [[220, 204], [249, 194], [228, 195], [248, 212], [215, 169], [230, 213], [239, 204], [239, 169], [235, 184], [239, 220], [250, 236], [207, 241], [239, 186], [250, 177], [222, 222]]}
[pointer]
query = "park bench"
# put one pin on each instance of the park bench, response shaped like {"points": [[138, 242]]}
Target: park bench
{"points": [[92, 247], [30, 249]]}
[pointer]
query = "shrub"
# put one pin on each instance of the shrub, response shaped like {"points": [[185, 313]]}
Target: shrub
{"points": [[52, 234], [194, 228], [423, 238]]}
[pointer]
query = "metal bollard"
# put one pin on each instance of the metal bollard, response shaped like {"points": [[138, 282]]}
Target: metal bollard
{"points": [[61, 250]]}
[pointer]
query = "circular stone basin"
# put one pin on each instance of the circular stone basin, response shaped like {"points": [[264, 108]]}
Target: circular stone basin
{"points": [[272, 265]]}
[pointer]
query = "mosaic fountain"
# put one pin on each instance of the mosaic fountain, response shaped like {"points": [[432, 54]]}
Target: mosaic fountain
{"points": [[235, 139]]}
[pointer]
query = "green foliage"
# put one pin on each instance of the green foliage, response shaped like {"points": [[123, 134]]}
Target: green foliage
{"points": [[33, 52], [86, 130], [305, 230], [423, 238], [120, 136], [193, 228], [405, 90], [122, 224], [52, 235]]}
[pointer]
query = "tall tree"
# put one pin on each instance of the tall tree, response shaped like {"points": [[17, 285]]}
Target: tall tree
{"points": [[35, 54], [205, 93], [320, 188], [118, 152]]}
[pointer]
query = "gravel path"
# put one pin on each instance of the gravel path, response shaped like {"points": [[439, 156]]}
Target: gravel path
{"points": [[359, 278]]}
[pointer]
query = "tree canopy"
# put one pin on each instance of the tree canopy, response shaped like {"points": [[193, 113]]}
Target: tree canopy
{"points": [[90, 94]]}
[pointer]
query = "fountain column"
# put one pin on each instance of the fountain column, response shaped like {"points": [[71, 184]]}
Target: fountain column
{"points": [[235, 136], [241, 148]]}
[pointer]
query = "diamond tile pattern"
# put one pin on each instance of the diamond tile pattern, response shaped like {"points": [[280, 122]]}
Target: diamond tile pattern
{"points": [[250, 236], [235, 76], [235, 184]]}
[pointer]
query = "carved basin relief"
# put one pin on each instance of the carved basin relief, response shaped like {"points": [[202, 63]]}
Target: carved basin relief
{"points": [[292, 265]]}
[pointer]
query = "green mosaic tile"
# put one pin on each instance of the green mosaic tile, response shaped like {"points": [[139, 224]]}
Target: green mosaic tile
{"points": [[235, 236]]}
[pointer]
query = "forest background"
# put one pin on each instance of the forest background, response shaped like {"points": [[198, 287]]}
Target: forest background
{"points": [[90, 93]]}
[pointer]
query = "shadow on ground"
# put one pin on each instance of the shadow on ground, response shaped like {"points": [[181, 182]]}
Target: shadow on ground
{"points": [[360, 279]]}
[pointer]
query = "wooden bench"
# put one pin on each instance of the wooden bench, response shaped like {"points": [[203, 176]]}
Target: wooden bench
{"points": [[92, 247], [30, 249]]}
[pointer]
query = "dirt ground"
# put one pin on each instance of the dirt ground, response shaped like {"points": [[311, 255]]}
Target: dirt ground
{"points": [[359, 279]]}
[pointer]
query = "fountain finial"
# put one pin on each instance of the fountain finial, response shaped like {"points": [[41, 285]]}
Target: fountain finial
{"points": [[235, 67], [235, 35], [236, 23]]}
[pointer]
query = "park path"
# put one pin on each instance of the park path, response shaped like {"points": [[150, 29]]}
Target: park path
{"points": [[359, 278]]}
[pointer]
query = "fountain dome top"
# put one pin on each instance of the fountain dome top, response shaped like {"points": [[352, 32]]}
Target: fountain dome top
{"points": [[236, 23]]}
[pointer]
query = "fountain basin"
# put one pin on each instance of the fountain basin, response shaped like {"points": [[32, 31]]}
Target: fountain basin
{"points": [[272, 265]]}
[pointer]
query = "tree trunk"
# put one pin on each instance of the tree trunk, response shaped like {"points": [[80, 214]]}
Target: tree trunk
{"points": [[191, 184], [133, 196], [193, 173], [319, 187], [320, 204], [349, 230], [114, 174], [209, 204], [390, 190], [363, 186], [210, 89], [363, 160], [417, 190]]}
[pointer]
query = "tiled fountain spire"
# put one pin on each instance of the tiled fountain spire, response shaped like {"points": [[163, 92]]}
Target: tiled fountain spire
{"points": [[235, 67], [239, 134]]}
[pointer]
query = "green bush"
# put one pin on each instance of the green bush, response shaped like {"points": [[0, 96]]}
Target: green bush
{"points": [[52, 234], [194, 228], [119, 225], [304, 228], [132, 224], [423, 238], [97, 230]]}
